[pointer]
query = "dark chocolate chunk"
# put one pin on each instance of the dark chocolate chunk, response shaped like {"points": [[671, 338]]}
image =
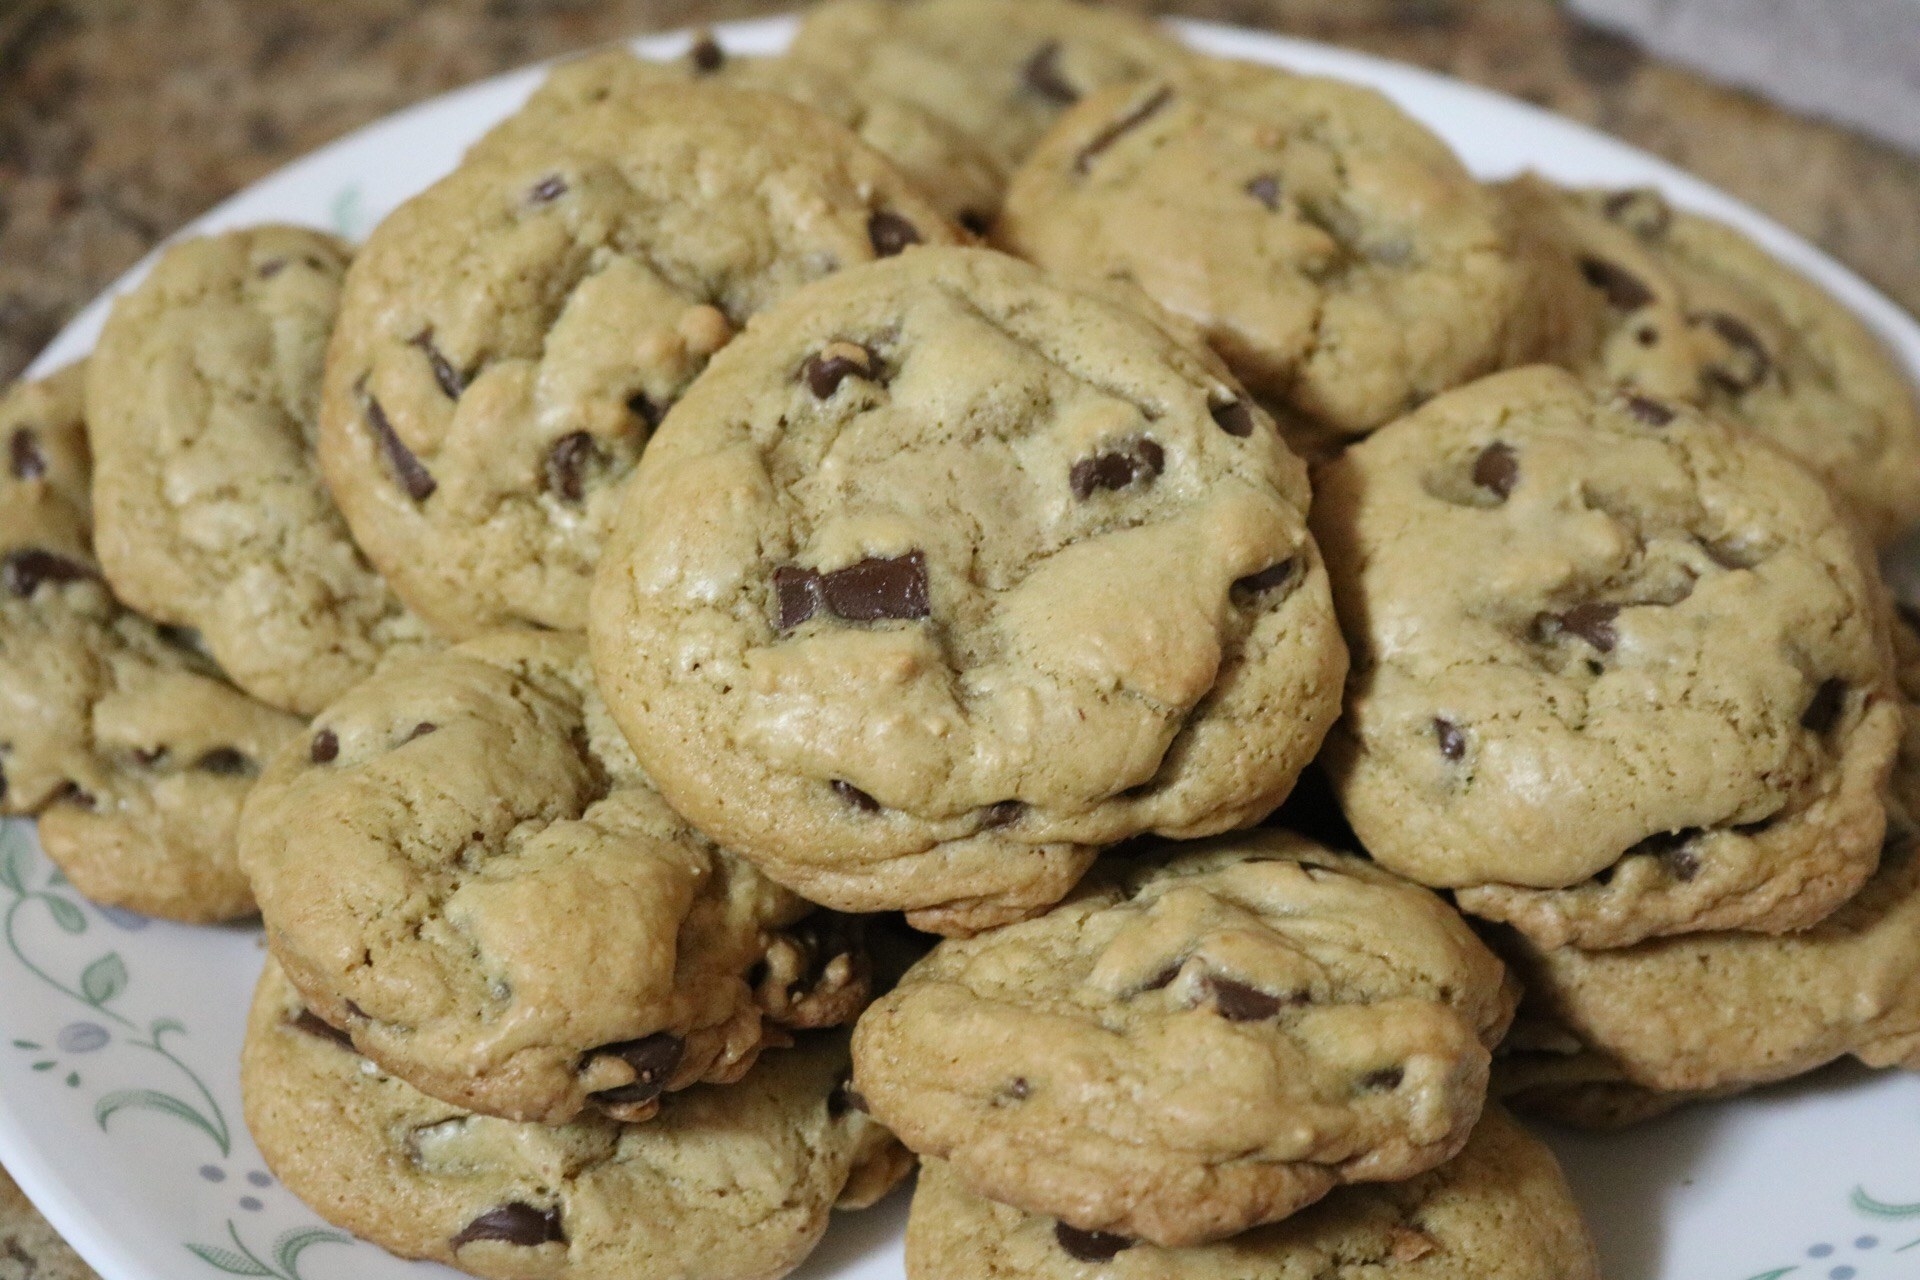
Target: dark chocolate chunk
{"points": [[73, 793], [548, 189], [643, 408], [1385, 1080], [976, 222], [567, 463], [1003, 814], [1234, 418], [443, 371], [414, 478], [1648, 410], [516, 1224], [1139, 459], [1266, 189], [1624, 290], [311, 1024], [1683, 864], [1042, 75], [800, 594], [225, 761], [845, 1098], [1591, 622], [1750, 364], [653, 1059], [26, 569], [1273, 576], [1238, 1002], [870, 590], [1497, 469], [325, 748], [422, 729], [24, 458], [271, 268], [1453, 743], [891, 233], [1133, 119], [1089, 1246], [834, 364], [706, 55], [855, 796], [1823, 711], [1019, 1089]]}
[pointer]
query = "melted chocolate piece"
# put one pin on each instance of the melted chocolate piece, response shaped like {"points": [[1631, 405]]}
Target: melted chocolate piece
{"points": [[1268, 579], [1266, 189], [1234, 418], [25, 570], [1590, 622], [225, 761], [515, 1224], [855, 796], [1648, 410], [24, 458], [1003, 814], [653, 1059], [443, 372], [567, 463], [1118, 129], [1624, 290], [1238, 1002], [706, 55], [312, 1024], [890, 233], [413, 477], [869, 590], [1823, 710], [1089, 1246], [1042, 75], [1453, 743], [1140, 459], [1384, 1080], [422, 729], [643, 408], [1497, 469], [548, 190], [845, 1098], [832, 366], [1752, 363], [325, 748]]}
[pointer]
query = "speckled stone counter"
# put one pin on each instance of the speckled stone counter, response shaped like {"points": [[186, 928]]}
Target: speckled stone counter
{"points": [[122, 119]]}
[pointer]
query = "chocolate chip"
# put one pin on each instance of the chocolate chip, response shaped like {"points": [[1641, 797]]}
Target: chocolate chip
{"points": [[422, 729], [151, 756], [443, 372], [799, 593], [1006, 813], [1591, 622], [891, 233], [1238, 1002], [845, 1098], [643, 408], [71, 792], [1497, 469], [1266, 189], [515, 1224], [653, 1059], [1647, 335], [1453, 743], [1683, 864], [1019, 1089], [26, 569], [325, 747], [1089, 1246], [225, 761], [706, 55], [414, 478], [855, 796], [1164, 979], [1268, 579], [1384, 1080], [548, 189], [1139, 459], [1623, 289], [1663, 844], [976, 222], [1751, 361], [24, 458], [834, 364], [1133, 119], [1645, 212], [311, 1024], [567, 463], [1648, 410], [870, 590], [1042, 75], [1823, 711], [271, 268], [1234, 417]]}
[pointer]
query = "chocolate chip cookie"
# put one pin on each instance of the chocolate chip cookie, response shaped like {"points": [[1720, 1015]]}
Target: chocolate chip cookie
{"points": [[948, 166], [1621, 670], [1001, 71], [1335, 252], [1182, 1051], [209, 513], [460, 865], [1500, 1210], [509, 338], [1694, 311], [126, 741], [946, 574], [731, 1182]]}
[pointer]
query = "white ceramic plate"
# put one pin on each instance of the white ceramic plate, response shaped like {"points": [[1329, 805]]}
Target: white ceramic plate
{"points": [[119, 1038]]}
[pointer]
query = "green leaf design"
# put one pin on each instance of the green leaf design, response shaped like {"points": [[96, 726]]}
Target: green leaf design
{"points": [[228, 1261], [1775, 1275], [65, 914], [104, 979], [25, 1044], [13, 860], [151, 1100], [288, 1248], [1881, 1209]]}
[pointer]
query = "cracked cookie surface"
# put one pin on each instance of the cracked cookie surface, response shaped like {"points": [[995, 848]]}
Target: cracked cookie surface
{"points": [[945, 575], [130, 746], [1620, 670], [461, 867], [1335, 252], [1695, 311], [509, 338], [730, 1182], [1001, 71], [1500, 1210], [209, 512], [1182, 1051]]}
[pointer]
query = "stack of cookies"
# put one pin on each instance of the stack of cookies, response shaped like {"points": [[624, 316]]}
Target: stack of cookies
{"points": [[608, 621]]}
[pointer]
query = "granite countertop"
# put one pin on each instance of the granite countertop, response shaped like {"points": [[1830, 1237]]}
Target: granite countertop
{"points": [[122, 119]]}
